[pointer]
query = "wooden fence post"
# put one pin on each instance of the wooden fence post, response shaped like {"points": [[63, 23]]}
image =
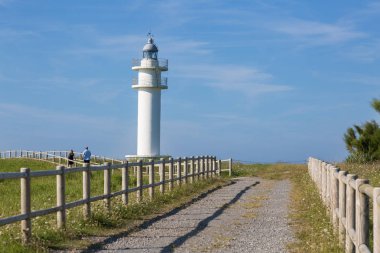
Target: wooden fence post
{"points": [[206, 166], [323, 183], [210, 166], [192, 170], [315, 172], [350, 212], [342, 205], [328, 185], [185, 171], [151, 179], [139, 182], [230, 167], [61, 201], [219, 167], [330, 189], [376, 220], [335, 197], [171, 168], [26, 225], [125, 182], [202, 167], [362, 215], [162, 175], [86, 175], [179, 171], [107, 185], [214, 165], [198, 167]]}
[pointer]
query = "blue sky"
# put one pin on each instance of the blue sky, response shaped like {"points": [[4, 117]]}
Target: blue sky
{"points": [[255, 80]]}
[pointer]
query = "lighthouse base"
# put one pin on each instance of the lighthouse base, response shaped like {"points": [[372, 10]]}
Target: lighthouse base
{"points": [[145, 158]]}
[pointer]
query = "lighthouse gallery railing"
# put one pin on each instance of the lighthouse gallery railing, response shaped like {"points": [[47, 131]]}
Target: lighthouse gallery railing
{"points": [[162, 63], [163, 81]]}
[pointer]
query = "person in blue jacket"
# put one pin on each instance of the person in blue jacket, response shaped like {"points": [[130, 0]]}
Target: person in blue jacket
{"points": [[86, 155]]}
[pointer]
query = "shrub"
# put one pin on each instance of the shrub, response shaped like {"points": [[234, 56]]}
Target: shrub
{"points": [[363, 142]]}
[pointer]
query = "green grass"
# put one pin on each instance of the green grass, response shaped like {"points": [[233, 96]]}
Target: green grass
{"points": [[367, 171], [308, 216], [43, 188], [102, 222]]}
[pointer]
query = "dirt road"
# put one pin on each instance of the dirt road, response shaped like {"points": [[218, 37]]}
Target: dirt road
{"points": [[249, 215]]}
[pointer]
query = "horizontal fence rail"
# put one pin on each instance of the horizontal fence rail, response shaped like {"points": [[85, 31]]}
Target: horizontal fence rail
{"points": [[57, 157], [170, 171], [347, 199], [229, 168]]}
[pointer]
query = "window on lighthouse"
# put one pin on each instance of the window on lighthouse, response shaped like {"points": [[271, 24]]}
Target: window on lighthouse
{"points": [[150, 55]]}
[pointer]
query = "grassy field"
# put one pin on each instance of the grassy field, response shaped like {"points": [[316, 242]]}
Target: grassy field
{"points": [[45, 235]]}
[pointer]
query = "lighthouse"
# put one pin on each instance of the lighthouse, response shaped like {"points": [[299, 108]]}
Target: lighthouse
{"points": [[149, 84]]}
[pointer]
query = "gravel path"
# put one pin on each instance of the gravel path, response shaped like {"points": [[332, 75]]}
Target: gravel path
{"points": [[247, 216]]}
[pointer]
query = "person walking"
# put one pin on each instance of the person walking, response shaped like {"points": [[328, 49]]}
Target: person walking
{"points": [[70, 158], [86, 155]]}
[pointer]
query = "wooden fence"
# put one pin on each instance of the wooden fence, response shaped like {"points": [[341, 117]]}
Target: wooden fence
{"points": [[56, 157], [228, 162], [347, 199], [181, 170]]}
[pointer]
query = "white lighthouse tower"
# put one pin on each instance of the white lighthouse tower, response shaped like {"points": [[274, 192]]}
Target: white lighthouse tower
{"points": [[149, 85]]}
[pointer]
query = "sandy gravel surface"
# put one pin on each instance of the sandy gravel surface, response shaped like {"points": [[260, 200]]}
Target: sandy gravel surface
{"points": [[247, 216]]}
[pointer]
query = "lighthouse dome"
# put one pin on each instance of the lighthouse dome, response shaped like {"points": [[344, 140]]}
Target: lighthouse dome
{"points": [[150, 46], [150, 50]]}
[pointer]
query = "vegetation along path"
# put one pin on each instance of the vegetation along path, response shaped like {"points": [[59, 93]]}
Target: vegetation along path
{"points": [[249, 215]]}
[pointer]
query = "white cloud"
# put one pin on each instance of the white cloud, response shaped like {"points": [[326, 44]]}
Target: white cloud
{"points": [[372, 8], [362, 79], [27, 112], [98, 90], [39, 128], [249, 81], [365, 52], [5, 2], [122, 40], [12, 34], [176, 46], [121, 45], [317, 33]]}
